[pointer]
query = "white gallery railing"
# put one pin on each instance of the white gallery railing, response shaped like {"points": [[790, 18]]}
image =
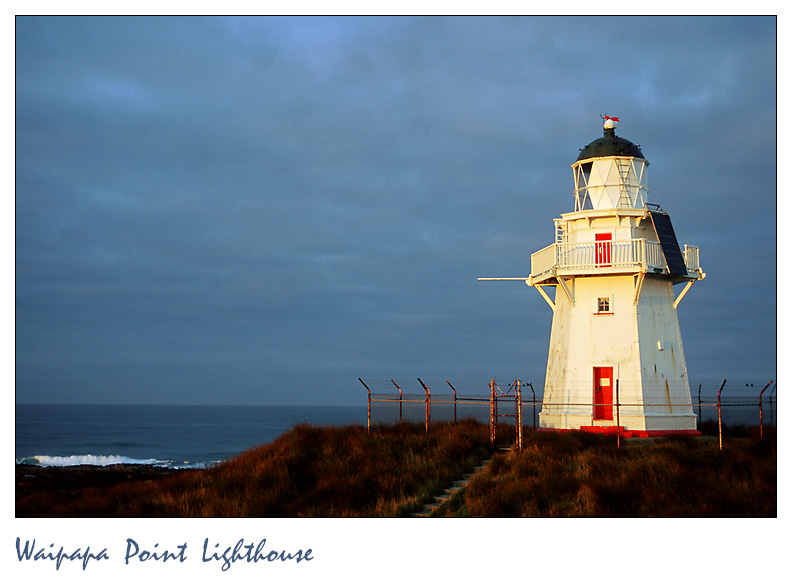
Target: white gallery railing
{"points": [[633, 253]]}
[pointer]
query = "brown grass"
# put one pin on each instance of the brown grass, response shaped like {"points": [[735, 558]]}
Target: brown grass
{"points": [[582, 475], [309, 471], [393, 470]]}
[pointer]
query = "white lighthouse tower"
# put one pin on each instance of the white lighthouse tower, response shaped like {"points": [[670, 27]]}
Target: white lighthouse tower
{"points": [[615, 346]]}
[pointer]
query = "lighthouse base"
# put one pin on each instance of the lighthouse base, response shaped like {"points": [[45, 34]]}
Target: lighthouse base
{"points": [[648, 424], [612, 430]]}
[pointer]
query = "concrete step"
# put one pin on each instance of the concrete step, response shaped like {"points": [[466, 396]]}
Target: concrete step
{"points": [[456, 485]]}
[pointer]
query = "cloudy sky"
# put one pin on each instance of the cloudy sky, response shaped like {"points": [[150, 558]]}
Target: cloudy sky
{"points": [[262, 210]]}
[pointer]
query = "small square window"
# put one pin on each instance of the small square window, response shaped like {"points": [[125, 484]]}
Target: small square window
{"points": [[603, 305]]}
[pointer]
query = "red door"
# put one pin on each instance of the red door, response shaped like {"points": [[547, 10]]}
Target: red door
{"points": [[603, 249], [603, 392]]}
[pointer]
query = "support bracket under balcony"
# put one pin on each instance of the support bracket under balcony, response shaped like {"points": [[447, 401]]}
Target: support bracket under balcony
{"points": [[568, 293], [683, 292], [550, 302], [639, 279]]}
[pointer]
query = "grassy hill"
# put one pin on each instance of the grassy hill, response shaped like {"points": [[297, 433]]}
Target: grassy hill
{"points": [[393, 470]]}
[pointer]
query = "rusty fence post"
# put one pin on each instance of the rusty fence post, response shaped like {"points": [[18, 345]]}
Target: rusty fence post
{"points": [[428, 404], [533, 404], [492, 411], [368, 422], [699, 417], [761, 422], [518, 401], [720, 422], [618, 421], [496, 401], [400, 400], [455, 400]]}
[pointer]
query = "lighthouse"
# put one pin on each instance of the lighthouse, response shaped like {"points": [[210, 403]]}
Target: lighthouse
{"points": [[613, 277]]}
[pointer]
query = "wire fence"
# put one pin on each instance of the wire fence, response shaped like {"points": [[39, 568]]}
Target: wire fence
{"points": [[736, 404]]}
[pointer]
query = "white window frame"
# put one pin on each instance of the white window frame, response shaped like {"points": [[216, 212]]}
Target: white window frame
{"points": [[599, 311]]}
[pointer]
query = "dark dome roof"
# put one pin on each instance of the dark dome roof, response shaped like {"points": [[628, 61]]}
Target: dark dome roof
{"points": [[610, 145]]}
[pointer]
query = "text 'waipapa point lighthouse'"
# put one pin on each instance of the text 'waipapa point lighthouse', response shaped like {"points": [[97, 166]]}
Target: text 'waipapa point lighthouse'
{"points": [[615, 347]]}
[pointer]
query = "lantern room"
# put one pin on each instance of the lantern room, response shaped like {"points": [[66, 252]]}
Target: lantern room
{"points": [[610, 172]]}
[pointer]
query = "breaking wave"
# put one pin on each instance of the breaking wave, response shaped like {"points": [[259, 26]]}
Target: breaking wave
{"points": [[101, 460]]}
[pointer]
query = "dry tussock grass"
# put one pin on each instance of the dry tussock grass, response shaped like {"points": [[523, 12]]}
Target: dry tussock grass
{"points": [[393, 470]]}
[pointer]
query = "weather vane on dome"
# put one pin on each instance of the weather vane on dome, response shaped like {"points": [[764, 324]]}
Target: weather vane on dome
{"points": [[610, 121]]}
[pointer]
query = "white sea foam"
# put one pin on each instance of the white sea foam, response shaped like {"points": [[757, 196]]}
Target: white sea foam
{"points": [[86, 460], [107, 460]]}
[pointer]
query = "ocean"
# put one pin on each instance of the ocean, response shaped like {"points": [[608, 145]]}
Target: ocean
{"points": [[197, 436], [178, 436]]}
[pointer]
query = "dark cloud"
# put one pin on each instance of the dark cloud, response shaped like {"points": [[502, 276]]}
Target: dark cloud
{"points": [[264, 209]]}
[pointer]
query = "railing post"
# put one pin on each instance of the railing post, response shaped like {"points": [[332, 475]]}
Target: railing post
{"points": [[455, 400], [720, 424], [533, 404], [761, 423], [518, 398], [492, 411], [699, 417], [428, 404], [618, 421], [368, 422], [496, 401], [400, 400]]}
